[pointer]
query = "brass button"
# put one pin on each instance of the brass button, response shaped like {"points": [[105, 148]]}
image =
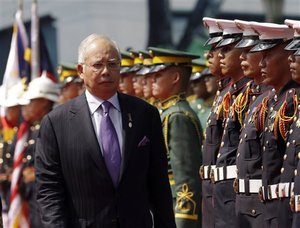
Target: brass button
{"points": [[281, 170], [253, 212], [291, 131], [219, 155], [298, 155], [287, 144], [222, 144], [284, 157], [245, 136], [295, 172]]}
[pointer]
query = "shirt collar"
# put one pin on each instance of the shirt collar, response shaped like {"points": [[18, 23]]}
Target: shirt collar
{"points": [[94, 102]]}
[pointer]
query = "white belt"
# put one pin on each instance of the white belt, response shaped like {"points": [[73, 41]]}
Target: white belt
{"points": [[295, 203], [205, 171], [254, 185], [276, 191], [285, 189], [224, 173]]}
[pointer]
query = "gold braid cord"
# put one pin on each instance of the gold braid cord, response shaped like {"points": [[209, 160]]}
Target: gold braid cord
{"points": [[223, 108], [240, 104], [165, 131], [260, 114], [281, 120]]}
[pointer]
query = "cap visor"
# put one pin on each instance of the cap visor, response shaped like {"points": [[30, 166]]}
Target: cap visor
{"points": [[293, 46], [195, 76], [228, 41], [212, 40], [156, 68], [143, 71], [262, 46], [246, 42], [297, 53]]}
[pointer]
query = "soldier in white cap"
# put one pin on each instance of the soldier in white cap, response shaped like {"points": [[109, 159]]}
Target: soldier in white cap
{"points": [[37, 101], [290, 161], [275, 114], [248, 160], [214, 126], [232, 109]]}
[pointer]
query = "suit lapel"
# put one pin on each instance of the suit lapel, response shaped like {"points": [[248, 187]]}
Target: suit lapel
{"points": [[80, 116], [128, 122]]}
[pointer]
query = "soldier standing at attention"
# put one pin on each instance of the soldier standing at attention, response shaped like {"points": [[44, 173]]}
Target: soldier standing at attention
{"points": [[138, 79], [233, 109], [127, 74], [214, 127], [37, 103], [275, 113], [203, 100], [182, 132], [249, 159], [71, 84], [295, 200], [290, 158]]}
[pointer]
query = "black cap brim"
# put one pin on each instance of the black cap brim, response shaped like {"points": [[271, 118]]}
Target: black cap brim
{"points": [[212, 40], [145, 70], [297, 53], [125, 69], [227, 41], [264, 45], [294, 45], [156, 68], [195, 76], [247, 42]]}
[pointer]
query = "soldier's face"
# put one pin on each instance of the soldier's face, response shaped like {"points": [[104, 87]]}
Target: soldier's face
{"points": [[274, 66], [147, 87], [126, 84], [138, 82], [101, 69], [250, 63], [295, 67], [70, 91], [162, 86], [213, 60], [36, 109], [230, 60]]}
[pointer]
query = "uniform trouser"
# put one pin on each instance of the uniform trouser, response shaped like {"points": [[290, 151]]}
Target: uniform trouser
{"points": [[296, 220], [270, 214], [249, 211], [285, 215], [224, 202], [207, 204]]}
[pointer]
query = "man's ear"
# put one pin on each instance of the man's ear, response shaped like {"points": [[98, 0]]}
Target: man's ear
{"points": [[80, 70], [176, 77]]}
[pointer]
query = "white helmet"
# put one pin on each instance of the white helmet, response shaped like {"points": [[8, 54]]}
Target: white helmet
{"points": [[41, 87], [14, 94]]}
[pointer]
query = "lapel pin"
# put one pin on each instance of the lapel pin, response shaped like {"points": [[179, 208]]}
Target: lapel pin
{"points": [[130, 120]]}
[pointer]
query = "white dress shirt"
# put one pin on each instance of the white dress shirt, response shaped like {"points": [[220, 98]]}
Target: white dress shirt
{"points": [[115, 115]]}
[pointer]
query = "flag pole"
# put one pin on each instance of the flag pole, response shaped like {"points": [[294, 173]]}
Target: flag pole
{"points": [[35, 58]]}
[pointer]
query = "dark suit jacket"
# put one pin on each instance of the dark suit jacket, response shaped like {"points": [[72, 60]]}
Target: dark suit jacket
{"points": [[74, 188]]}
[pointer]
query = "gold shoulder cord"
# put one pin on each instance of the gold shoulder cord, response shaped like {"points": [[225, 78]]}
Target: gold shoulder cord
{"points": [[165, 131], [281, 120], [223, 108], [240, 104], [261, 114]]}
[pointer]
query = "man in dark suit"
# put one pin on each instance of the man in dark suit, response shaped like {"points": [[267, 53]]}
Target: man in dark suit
{"points": [[76, 186]]}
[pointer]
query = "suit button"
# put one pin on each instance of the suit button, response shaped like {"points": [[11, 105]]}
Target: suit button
{"points": [[253, 212]]}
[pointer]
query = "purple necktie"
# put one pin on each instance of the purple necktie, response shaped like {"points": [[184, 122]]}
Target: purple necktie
{"points": [[110, 144]]}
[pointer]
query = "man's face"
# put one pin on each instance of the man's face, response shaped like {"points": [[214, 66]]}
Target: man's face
{"points": [[250, 63], [126, 84], [274, 66], [70, 91], [295, 67], [101, 69], [36, 109], [230, 60], [147, 87], [138, 82], [161, 87], [213, 60]]}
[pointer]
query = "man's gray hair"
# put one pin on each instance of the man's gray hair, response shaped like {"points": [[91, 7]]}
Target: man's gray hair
{"points": [[88, 40]]}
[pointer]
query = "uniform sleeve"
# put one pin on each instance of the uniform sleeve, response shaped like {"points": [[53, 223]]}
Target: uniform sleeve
{"points": [[160, 192], [49, 179], [185, 156]]}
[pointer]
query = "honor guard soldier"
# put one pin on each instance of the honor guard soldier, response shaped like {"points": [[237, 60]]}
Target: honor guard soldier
{"points": [[276, 112], [203, 100], [127, 73], [233, 109], [182, 132], [248, 160], [295, 200], [38, 100], [290, 160], [137, 80], [147, 82], [10, 122], [214, 126], [71, 83]]}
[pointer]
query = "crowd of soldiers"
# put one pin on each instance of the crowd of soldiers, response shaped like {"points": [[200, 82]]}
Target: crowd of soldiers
{"points": [[230, 123]]}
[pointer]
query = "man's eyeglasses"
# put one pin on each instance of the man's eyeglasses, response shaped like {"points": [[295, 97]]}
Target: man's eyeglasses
{"points": [[99, 67]]}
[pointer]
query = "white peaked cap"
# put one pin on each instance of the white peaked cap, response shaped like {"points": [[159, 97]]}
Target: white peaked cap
{"points": [[272, 31], [211, 25], [228, 27], [246, 27]]}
